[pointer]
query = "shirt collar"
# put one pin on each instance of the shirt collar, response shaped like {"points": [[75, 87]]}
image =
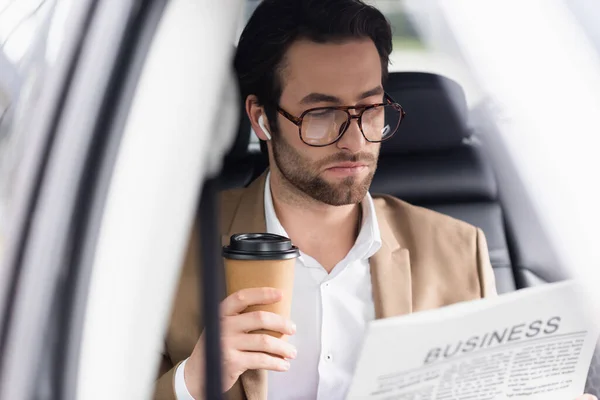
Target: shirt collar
{"points": [[368, 241]]}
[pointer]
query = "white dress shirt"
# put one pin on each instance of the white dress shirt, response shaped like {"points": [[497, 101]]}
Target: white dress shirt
{"points": [[331, 312]]}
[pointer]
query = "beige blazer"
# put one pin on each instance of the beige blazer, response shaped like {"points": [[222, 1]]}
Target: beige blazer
{"points": [[427, 260]]}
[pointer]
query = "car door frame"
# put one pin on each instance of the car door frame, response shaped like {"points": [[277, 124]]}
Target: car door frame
{"points": [[64, 187]]}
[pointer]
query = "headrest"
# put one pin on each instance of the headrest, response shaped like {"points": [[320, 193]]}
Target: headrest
{"points": [[437, 177], [436, 112]]}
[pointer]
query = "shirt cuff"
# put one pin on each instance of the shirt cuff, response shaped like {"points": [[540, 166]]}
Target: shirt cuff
{"points": [[181, 390]]}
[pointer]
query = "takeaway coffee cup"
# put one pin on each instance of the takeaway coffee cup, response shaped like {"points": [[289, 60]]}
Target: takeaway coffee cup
{"points": [[261, 260]]}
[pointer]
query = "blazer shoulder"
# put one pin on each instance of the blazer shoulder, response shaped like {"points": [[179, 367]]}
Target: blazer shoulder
{"points": [[446, 253], [230, 200]]}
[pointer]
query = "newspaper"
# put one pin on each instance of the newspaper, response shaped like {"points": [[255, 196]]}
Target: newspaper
{"points": [[532, 344]]}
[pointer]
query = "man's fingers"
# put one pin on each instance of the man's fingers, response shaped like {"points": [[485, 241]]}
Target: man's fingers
{"points": [[587, 397], [258, 360], [256, 320], [242, 299], [266, 344]]}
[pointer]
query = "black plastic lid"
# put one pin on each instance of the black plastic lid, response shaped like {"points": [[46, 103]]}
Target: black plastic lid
{"points": [[260, 246]]}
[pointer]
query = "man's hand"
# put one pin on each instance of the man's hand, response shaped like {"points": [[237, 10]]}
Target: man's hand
{"points": [[242, 351], [587, 397]]}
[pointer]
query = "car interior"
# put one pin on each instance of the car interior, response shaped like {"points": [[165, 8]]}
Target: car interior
{"points": [[438, 161]]}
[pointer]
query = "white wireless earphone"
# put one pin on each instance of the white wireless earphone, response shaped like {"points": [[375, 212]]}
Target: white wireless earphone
{"points": [[261, 123]]}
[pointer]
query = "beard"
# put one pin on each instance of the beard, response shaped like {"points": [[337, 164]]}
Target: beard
{"points": [[304, 174]]}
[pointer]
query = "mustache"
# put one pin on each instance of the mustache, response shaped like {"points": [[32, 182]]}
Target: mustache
{"points": [[367, 158]]}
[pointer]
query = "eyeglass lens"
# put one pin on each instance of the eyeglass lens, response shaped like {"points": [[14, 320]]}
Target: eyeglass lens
{"points": [[325, 126]]}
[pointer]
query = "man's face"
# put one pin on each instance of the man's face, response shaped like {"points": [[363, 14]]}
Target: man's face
{"points": [[322, 75]]}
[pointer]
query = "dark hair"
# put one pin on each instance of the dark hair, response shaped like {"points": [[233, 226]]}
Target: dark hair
{"points": [[276, 24]]}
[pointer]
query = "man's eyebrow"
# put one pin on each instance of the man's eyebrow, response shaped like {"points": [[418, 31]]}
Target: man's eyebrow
{"points": [[327, 98], [373, 92], [319, 98]]}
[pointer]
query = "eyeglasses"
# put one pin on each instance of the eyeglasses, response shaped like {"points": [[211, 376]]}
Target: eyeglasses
{"points": [[323, 126]]}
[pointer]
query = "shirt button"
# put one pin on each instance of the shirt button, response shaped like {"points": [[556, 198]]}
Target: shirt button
{"points": [[326, 284], [329, 357]]}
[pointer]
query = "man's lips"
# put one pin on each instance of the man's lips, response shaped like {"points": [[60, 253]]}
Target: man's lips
{"points": [[348, 165], [346, 169]]}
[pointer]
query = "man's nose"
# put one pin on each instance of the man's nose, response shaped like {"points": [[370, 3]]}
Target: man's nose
{"points": [[353, 139]]}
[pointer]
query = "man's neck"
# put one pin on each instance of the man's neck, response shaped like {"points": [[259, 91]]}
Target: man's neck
{"points": [[325, 232]]}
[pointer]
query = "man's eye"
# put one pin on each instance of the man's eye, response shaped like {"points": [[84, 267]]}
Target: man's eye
{"points": [[321, 113]]}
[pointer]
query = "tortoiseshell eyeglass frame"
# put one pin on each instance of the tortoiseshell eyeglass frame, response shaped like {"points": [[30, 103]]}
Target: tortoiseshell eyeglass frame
{"points": [[361, 109]]}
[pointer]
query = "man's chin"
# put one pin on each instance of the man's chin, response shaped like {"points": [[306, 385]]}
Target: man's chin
{"points": [[332, 190], [343, 193]]}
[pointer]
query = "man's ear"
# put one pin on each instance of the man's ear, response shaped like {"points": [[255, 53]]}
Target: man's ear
{"points": [[257, 117]]}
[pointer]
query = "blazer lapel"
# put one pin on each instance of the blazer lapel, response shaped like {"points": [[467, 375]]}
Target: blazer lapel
{"points": [[390, 275], [249, 218]]}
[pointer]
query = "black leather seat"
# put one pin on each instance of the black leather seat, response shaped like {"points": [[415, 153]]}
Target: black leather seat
{"points": [[435, 162]]}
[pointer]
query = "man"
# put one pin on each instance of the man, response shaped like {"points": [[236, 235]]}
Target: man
{"points": [[312, 74]]}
